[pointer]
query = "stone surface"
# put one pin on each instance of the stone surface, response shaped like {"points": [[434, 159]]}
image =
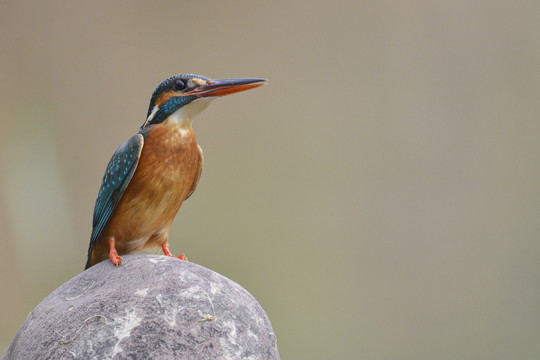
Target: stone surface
{"points": [[152, 307]]}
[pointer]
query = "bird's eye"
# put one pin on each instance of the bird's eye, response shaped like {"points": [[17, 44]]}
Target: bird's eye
{"points": [[179, 85]]}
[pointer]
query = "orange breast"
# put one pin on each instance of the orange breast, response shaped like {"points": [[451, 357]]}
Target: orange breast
{"points": [[162, 180]]}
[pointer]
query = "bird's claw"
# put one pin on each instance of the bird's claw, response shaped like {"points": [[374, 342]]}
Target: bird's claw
{"points": [[115, 258], [113, 254], [182, 257], [167, 252]]}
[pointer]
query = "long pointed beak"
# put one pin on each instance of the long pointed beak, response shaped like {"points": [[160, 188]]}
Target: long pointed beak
{"points": [[226, 87]]}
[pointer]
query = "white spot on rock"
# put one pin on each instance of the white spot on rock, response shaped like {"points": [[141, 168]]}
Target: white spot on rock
{"points": [[157, 259], [251, 334], [141, 292], [170, 309], [123, 327], [230, 346]]}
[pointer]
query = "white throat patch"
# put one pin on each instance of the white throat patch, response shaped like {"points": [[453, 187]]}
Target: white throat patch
{"points": [[186, 113]]}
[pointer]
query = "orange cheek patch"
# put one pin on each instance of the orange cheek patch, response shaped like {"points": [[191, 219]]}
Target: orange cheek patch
{"points": [[198, 82]]}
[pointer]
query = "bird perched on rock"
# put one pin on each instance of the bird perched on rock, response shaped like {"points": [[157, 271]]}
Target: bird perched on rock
{"points": [[151, 174]]}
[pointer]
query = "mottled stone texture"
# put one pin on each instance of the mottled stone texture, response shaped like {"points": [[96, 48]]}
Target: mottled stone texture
{"points": [[152, 307]]}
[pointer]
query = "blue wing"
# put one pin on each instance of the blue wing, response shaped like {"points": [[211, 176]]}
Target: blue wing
{"points": [[115, 181]]}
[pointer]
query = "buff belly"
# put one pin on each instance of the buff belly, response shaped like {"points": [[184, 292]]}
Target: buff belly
{"points": [[164, 176]]}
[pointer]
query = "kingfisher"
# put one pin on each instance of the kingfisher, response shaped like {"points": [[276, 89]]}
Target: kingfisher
{"points": [[150, 175]]}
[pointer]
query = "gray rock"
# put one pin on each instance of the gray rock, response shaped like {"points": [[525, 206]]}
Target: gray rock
{"points": [[152, 307]]}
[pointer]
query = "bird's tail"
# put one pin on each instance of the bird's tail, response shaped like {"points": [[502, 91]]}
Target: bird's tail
{"points": [[89, 260]]}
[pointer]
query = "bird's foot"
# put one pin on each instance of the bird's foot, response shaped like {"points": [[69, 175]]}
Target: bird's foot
{"points": [[116, 260], [167, 252], [182, 257], [113, 254]]}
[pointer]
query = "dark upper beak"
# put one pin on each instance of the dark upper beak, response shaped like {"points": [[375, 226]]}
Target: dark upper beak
{"points": [[226, 87]]}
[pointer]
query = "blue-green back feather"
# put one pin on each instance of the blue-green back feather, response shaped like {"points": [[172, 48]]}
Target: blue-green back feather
{"points": [[115, 181]]}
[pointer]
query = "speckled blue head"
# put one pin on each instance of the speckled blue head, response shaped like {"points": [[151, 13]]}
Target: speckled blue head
{"points": [[180, 90], [171, 95]]}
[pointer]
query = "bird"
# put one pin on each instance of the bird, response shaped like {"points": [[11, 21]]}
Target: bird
{"points": [[155, 171]]}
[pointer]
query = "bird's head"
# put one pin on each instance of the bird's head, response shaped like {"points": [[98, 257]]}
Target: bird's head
{"points": [[182, 97]]}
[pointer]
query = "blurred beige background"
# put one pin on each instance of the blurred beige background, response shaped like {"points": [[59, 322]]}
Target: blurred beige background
{"points": [[380, 197]]}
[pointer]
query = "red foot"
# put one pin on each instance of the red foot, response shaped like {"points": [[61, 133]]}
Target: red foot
{"points": [[167, 252], [182, 257], [113, 254]]}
